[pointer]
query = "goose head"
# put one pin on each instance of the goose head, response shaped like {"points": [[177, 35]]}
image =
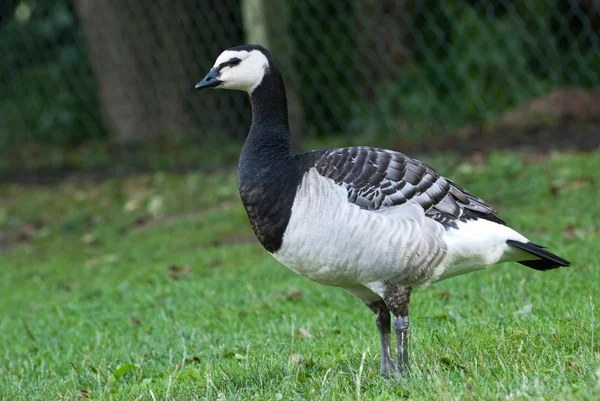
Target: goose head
{"points": [[239, 68]]}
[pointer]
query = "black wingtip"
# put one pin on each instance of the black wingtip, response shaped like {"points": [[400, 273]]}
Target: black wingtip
{"points": [[546, 261]]}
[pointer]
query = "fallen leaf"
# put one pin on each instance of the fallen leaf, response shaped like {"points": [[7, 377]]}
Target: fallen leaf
{"points": [[569, 231], [155, 206], [304, 333], [477, 158], [136, 321], [89, 239], [446, 295], [298, 359], [105, 259], [84, 394], [29, 231], [195, 359], [131, 205], [466, 168], [175, 272], [571, 366], [290, 294], [578, 232], [525, 310]]}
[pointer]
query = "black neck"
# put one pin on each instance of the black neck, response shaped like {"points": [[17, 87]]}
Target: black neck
{"points": [[267, 174], [269, 139]]}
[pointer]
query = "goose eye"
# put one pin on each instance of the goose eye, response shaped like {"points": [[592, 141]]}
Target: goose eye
{"points": [[235, 61]]}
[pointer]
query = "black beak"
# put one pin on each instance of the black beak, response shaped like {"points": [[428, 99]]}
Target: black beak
{"points": [[210, 80]]}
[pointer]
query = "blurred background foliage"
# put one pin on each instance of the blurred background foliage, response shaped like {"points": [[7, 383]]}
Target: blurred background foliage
{"points": [[120, 73], [44, 68]]}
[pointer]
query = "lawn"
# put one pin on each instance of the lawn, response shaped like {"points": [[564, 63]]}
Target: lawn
{"points": [[153, 288]]}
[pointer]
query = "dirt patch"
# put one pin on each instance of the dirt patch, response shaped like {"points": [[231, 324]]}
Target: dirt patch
{"points": [[559, 105], [12, 238], [562, 136], [6, 246]]}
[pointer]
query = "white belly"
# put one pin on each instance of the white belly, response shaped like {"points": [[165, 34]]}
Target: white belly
{"points": [[334, 242]]}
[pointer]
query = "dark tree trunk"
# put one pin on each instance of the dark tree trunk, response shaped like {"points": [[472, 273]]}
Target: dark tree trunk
{"points": [[383, 40], [112, 51], [147, 56]]}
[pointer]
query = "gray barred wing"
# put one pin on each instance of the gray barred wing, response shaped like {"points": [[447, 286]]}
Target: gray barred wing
{"points": [[379, 178]]}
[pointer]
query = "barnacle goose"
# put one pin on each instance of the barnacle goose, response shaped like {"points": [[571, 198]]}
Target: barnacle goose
{"points": [[374, 222]]}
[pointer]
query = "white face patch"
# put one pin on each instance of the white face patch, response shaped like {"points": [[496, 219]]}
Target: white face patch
{"points": [[246, 75]]}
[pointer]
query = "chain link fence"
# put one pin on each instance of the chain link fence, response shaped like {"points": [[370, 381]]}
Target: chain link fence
{"points": [[76, 72]]}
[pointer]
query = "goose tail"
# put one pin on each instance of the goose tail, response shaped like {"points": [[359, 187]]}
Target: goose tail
{"points": [[546, 261]]}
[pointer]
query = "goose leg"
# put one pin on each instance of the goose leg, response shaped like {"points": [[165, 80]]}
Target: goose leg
{"points": [[383, 322], [397, 299]]}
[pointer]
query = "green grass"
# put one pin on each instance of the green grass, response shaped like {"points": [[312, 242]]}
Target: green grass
{"points": [[91, 308]]}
